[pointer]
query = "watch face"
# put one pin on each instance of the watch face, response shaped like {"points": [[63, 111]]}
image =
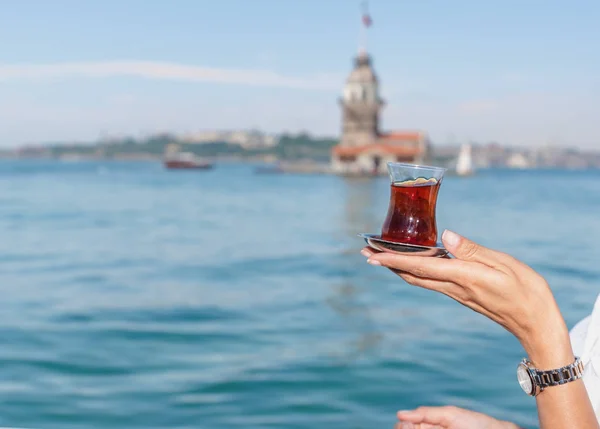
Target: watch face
{"points": [[524, 379]]}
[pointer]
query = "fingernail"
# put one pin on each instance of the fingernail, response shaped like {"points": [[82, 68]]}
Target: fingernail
{"points": [[373, 262], [365, 253], [450, 238]]}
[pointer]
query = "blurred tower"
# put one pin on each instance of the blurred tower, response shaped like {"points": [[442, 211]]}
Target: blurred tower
{"points": [[363, 148], [360, 104], [360, 101]]}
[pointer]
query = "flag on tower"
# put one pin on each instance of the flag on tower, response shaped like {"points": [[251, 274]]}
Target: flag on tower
{"points": [[366, 18]]}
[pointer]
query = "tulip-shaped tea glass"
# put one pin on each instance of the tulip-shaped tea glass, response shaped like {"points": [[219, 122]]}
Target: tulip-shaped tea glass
{"points": [[410, 225]]}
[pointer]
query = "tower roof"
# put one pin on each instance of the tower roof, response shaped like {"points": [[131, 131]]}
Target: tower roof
{"points": [[362, 59], [363, 70]]}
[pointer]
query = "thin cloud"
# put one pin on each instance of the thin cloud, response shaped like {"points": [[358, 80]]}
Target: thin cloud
{"points": [[164, 71]]}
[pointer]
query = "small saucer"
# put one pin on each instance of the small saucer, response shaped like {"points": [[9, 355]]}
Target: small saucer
{"points": [[375, 241]]}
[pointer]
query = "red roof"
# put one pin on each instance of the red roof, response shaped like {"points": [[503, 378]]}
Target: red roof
{"points": [[385, 148]]}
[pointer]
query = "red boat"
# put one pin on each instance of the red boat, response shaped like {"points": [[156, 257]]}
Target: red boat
{"points": [[185, 161]]}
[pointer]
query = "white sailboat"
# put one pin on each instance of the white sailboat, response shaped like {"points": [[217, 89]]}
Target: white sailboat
{"points": [[464, 163]]}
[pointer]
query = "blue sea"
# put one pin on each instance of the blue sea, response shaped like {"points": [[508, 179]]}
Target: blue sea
{"points": [[134, 297]]}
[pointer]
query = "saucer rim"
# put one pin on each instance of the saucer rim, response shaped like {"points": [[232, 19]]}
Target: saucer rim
{"points": [[377, 237]]}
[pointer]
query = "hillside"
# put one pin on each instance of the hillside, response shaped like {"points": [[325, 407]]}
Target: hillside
{"points": [[289, 147]]}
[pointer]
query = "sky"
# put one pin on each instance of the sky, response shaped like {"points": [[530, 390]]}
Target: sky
{"points": [[519, 72]]}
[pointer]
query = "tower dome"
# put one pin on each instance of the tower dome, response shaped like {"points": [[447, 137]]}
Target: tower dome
{"points": [[363, 71], [362, 85]]}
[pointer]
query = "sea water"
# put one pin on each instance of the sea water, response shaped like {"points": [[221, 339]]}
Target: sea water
{"points": [[135, 297]]}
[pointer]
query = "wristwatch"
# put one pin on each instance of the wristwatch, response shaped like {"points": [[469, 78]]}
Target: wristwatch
{"points": [[533, 381]]}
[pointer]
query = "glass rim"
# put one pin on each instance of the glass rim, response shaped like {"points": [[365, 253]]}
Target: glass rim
{"points": [[416, 166]]}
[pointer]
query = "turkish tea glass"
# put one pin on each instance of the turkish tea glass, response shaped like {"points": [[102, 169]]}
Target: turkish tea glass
{"points": [[413, 196]]}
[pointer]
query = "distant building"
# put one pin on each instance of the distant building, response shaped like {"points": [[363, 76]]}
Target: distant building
{"points": [[518, 160], [245, 139]]}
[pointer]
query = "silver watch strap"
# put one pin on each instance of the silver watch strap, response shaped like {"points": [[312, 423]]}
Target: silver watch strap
{"points": [[557, 377]]}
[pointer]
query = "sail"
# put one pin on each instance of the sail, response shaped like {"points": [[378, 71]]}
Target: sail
{"points": [[464, 164]]}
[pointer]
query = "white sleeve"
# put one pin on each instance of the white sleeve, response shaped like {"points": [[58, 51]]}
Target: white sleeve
{"points": [[585, 339]]}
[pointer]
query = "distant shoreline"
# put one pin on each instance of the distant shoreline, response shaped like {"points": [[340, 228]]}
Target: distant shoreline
{"points": [[306, 166], [294, 150]]}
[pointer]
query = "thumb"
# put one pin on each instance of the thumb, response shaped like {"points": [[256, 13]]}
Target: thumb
{"points": [[467, 250]]}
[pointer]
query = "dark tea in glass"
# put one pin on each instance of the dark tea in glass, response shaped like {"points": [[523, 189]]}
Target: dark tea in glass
{"points": [[413, 197]]}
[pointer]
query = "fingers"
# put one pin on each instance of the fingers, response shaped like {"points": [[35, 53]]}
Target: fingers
{"points": [[440, 286], [450, 270], [462, 249], [447, 288], [441, 416], [406, 425], [409, 425], [454, 291], [367, 252], [460, 280]]}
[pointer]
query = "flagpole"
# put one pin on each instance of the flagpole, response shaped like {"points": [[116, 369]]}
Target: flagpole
{"points": [[364, 24], [362, 42]]}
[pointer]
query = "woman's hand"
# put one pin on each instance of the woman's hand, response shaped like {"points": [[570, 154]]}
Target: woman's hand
{"points": [[448, 418], [496, 285], [513, 295]]}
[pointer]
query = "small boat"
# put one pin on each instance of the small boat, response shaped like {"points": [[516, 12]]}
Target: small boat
{"points": [[464, 163], [185, 161]]}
